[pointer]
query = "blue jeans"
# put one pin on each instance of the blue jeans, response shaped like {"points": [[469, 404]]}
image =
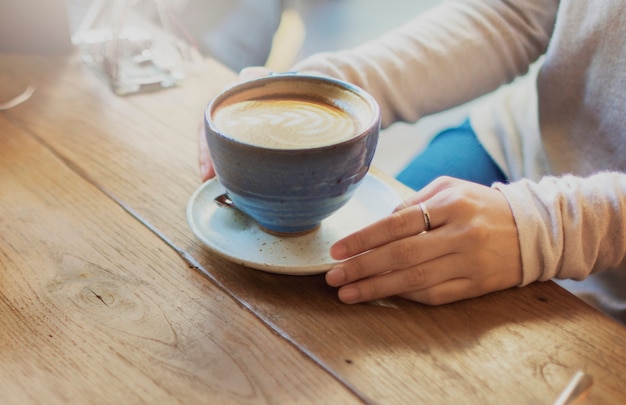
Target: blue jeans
{"points": [[454, 152]]}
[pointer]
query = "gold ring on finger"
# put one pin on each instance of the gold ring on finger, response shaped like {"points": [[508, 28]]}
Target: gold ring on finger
{"points": [[426, 216]]}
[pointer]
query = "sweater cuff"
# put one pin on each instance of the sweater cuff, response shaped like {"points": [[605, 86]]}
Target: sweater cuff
{"points": [[569, 226], [522, 209]]}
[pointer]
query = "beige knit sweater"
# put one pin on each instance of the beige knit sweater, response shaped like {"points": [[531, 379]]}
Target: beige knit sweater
{"points": [[559, 133]]}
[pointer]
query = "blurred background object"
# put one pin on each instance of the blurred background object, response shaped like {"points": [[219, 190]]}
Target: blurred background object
{"points": [[34, 26], [238, 33], [132, 44]]}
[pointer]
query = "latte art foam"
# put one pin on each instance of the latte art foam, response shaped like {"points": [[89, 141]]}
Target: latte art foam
{"points": [[285, 124]]}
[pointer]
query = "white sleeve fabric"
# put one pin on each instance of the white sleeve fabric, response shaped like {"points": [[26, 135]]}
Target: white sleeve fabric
{"points": [[448, 55], [507, 125], [569, 226]]}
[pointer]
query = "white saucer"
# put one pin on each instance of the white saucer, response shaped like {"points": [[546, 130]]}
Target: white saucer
{"points": [[238, 238]]}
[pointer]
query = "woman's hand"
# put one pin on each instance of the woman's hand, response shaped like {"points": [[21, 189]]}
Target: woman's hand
{"points": [[204, 158], [471, 249]]}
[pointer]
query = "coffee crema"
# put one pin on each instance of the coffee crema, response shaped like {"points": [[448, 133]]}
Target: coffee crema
{"points": [[285, 123]]}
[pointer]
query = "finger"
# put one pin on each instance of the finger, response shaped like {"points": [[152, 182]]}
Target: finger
{"points": [[204, 158], [406, 281], [446, 292], [397, 255], [400, 224], [429, 191]]}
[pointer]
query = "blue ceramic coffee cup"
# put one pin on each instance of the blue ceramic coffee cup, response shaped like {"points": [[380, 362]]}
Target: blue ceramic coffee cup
{"points": [[290, 150]]}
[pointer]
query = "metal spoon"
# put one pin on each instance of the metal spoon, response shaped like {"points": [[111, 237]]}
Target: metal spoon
{"points": [[224, 201], [576, 390]]}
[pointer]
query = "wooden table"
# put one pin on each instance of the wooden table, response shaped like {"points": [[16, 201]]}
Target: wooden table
{"points": [[106, 296]]}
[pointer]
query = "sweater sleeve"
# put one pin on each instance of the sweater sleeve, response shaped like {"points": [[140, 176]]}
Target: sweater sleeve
{"points": [[569, 227], [444, 57]]}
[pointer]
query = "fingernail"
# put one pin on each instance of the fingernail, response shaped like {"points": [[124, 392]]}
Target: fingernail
{"points": [[349, 294], [339, 251], [336, 276]]}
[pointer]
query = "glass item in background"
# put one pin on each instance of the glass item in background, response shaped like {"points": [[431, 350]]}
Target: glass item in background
{"points": [[132, 44]]}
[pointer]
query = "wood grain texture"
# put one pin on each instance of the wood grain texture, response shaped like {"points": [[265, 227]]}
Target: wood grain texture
{"points": [[94, 308], [516, 346]]}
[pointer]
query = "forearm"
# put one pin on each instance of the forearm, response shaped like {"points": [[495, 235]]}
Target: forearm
{"points": [[569, 227], [446, 56]]}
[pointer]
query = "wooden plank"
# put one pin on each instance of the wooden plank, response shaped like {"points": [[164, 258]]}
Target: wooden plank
{"points": [[94, 308], [518, 346]]}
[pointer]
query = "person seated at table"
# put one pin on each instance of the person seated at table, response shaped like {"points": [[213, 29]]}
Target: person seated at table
{"points": [[235, 32], [531, 187]]}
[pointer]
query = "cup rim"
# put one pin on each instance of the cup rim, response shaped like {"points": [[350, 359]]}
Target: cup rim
{"points": [[373, 123]]}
